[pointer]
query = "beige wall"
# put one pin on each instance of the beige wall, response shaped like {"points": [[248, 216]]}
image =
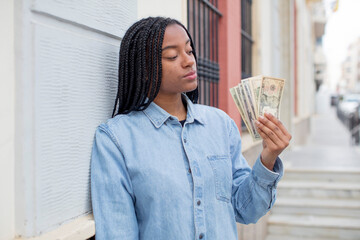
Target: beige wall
{"points": [[7, 104], [305, 59], [175, 9], [272, 47], [273, 54]]}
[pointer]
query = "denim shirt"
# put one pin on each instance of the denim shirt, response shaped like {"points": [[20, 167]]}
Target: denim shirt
{"points": [[151, 178]]}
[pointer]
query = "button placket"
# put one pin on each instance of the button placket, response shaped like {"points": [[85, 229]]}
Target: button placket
{"points": [[196, 174], [184, 135], [199, 217]]}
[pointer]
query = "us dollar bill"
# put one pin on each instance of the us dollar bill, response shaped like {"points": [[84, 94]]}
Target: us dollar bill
{"points": [[255, 85], [248, 111], [237, 101], [235, 95], [270, 96], [255, 96], [246, 84]]}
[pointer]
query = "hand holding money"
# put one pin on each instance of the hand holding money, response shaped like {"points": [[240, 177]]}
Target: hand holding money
{"points": [[255, 96], [258, 101], [275, 138]]}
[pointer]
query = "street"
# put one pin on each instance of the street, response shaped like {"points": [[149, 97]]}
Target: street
{"points": [[329, 144], [319, 196]]}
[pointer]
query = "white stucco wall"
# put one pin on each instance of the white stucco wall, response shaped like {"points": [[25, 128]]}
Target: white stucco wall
{"points": [[274, 55], [305, 61], [263, 38], [277, 38], [7, 119], [286, 69], [272, 48], [174, 9], [66, 81], [271, 32]]}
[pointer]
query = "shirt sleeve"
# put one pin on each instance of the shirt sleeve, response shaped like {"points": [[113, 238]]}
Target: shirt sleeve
{"points": [[111, 191], [253, 190]]}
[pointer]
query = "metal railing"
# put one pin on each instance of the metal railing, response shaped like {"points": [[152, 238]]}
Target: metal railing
{"points": [[203, 23]]}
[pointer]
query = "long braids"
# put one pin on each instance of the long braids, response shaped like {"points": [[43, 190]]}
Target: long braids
{"points": [[140, 67]]}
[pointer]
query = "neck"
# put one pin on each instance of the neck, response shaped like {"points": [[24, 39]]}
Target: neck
{"points": [[172, 104]]}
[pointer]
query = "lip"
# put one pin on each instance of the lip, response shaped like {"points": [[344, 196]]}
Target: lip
{"points": [[191, 75]]}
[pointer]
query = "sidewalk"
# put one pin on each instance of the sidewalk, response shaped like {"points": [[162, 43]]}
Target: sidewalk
{"points": [[328, 146], [319, 195]]}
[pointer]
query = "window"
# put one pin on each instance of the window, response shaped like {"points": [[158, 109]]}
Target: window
{"points": [[203, 19], [246, 44], [246, 39]]}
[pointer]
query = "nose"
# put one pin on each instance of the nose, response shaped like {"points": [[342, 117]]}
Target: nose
{"points": [[188, 60]]}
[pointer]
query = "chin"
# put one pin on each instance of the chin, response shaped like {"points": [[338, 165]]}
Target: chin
{"points": [[191, 87]]}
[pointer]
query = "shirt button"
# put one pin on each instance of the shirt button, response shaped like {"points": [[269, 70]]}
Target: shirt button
{"points": [[185, 140], [198, 203], [189, 170], [201, 236]]}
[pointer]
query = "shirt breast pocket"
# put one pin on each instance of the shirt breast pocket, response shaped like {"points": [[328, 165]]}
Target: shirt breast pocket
{"points": [[221, 167]]}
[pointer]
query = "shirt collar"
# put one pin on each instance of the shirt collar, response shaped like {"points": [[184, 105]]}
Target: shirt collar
{"points": [[158, 116]]}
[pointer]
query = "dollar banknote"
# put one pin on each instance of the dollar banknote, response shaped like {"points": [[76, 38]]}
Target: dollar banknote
{"points": [[270, 96], [255, 84], [245, 117], [235, 93], [255, 96], [248, 112], [237, 101], [249, 97]]}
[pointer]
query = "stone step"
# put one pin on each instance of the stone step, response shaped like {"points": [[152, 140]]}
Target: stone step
{"points": [[318, 207], [317, 189], [323, 175], [314, 227], [287, 237]]}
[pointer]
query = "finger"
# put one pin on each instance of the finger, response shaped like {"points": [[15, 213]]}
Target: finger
{"points": [[285, 135], [268, 122], [268, 132], [266, 139], [274, 145], [261, 133], [279, 124]]}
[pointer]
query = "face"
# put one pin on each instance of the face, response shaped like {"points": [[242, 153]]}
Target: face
{"points": [[178, 62]]}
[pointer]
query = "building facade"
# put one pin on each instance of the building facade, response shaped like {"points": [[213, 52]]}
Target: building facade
{"points": [[350, 78]]}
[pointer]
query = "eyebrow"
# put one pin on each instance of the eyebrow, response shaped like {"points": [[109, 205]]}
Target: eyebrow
{"points": [[174, 46]]}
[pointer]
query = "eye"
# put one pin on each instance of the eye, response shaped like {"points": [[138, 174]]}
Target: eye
{"points": [[191, 52], [172, 58]]}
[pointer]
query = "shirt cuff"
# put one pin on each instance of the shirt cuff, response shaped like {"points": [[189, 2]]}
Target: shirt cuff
{"points": [[266, 178]]}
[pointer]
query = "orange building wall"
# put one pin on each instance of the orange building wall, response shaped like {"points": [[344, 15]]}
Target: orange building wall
{"points": [[229, 55]]}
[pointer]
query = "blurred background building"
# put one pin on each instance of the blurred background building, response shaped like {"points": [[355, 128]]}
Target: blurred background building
{"points": [[319, 19], [350, 78], [59, 80]]}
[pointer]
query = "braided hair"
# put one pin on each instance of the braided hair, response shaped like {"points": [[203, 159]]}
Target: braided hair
{"points": [[140, 65]]}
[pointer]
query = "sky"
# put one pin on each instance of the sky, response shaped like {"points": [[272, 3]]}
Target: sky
{"points": [[342, 28]]}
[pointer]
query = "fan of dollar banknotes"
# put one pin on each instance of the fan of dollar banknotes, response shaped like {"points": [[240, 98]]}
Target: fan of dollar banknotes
{"points": [[255, 96]]}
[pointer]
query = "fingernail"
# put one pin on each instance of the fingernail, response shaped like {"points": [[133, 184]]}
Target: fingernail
{"points": [[257, 122], [261, 117]]}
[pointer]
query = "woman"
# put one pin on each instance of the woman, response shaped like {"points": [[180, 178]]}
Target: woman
{"points": [[165, 167]]}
